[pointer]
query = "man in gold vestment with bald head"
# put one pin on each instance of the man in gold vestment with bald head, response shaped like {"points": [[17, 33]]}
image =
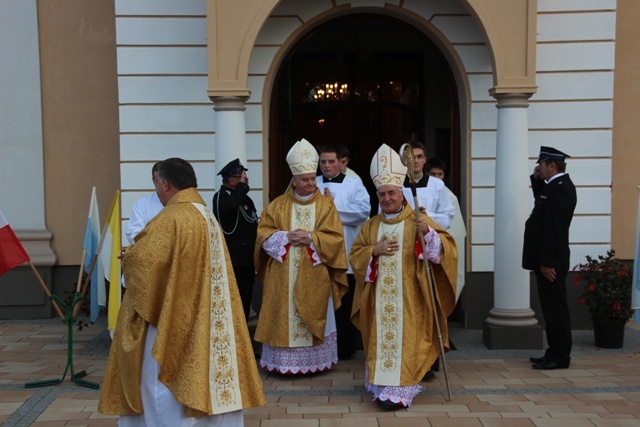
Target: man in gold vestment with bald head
{"points": [[181, 353]]}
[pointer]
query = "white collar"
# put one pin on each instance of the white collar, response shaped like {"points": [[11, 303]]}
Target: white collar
{"points": [[394, 215], [305, 198], [558, 175]]}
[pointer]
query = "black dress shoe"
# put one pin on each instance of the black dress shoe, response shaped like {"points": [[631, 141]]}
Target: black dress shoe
{"points": [[537, 359], [429, 375], [391, 406], [548, 365]]}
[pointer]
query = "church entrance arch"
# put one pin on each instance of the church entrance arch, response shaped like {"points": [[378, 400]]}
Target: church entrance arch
{"points": [[362, 80]]}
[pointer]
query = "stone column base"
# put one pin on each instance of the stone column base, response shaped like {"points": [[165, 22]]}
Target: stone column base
{"points": [[22, 297], [512, 337]]}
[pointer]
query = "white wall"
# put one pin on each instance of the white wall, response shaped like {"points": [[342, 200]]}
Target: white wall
{"points": [[164, 110], [573, 109], [21, 150]]}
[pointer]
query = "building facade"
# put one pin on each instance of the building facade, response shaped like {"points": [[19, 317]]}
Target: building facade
{"points": [[98, 94]]}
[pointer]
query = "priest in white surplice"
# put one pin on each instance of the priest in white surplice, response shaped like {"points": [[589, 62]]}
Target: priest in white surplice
{"points": [[351, 200], [431, 191]]}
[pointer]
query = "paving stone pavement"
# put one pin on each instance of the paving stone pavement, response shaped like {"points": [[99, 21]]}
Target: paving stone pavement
{"points": [[490, 388]]}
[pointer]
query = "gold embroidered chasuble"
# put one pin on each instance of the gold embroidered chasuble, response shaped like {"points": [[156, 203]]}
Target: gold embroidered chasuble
{"points": [[180, 280], [296, 293], [394, 312]]}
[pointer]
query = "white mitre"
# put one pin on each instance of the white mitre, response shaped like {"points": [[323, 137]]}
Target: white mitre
{"points": [[387, 168], [302, 158]]}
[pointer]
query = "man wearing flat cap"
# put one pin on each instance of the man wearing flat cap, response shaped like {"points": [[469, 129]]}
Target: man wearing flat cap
{"points": [[238, 219], [546, 252]]}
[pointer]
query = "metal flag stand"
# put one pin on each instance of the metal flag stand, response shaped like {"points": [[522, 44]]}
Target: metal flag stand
{"points": [[72, 311], [75, 377], [406, 156], [70, 319]]}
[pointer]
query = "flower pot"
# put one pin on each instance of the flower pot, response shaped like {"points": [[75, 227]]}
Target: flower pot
{"points": [[608, 335]]}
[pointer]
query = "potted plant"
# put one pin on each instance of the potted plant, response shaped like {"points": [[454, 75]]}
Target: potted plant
{"points": [[607, 293]]}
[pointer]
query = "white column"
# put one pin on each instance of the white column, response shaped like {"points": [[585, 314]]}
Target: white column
{"points": [[21, 141], [512, 195], [230, 132]]}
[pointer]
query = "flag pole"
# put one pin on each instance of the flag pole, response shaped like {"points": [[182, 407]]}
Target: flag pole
{"points": [[84, 254], [46, 290], [406, 156], [85, 285], [76, 307]]}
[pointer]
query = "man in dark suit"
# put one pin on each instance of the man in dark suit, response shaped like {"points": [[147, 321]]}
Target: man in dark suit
{"points": [[238, 220], [546, 252]]}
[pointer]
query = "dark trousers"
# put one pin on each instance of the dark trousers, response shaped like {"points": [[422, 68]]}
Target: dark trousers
{"points": [[553, 299], [347, 333], [245, 276]]}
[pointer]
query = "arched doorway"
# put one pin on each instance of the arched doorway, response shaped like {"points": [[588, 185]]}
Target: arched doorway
{"points": [[361, 80]]}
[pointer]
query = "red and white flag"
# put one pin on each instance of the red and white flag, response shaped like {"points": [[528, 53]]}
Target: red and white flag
{"points": [[12, 254]]}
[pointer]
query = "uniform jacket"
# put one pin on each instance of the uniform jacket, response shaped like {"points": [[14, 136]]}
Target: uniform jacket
{"points": [[232, 208], [546, 232]]}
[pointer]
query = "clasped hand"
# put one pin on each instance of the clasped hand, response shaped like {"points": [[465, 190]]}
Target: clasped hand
{"points": [[299, 237]]}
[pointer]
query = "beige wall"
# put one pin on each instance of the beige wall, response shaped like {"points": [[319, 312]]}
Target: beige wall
{"points": [[233, 25], [513, 62], [626, 130], [80, 116]]}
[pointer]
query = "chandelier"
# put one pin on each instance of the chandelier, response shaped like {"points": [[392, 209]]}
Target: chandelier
{"points": [[328, 92]]}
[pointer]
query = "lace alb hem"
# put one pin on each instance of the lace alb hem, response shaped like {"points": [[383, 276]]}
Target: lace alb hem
{"points": [[395, 394], [301, 360]]}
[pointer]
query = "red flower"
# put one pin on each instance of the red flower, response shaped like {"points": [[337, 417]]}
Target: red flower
{"points": [[607, 287]]}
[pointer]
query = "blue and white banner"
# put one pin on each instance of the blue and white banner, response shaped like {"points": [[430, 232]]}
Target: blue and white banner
{"points": [[91, 242]]}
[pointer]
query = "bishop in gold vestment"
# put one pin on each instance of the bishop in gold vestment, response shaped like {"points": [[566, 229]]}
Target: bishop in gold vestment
{"points": [[301, 260], [392, 304], [181, 325]]}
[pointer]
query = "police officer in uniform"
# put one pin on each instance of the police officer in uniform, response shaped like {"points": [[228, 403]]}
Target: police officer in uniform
{"points": [[237, 215], [546, 252]]}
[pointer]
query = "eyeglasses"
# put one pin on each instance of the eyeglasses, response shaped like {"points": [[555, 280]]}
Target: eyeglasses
{"points": [[419, 156]]}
